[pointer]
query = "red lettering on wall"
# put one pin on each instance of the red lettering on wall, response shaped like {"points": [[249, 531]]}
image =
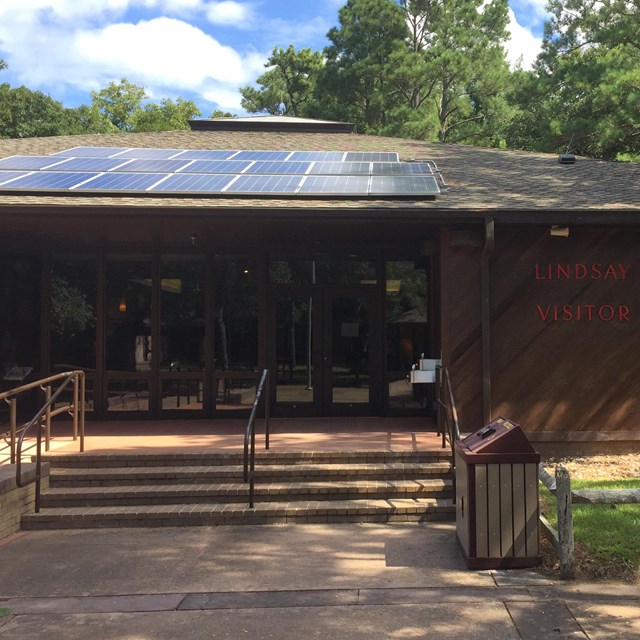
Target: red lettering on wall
{"points": [[584, 312], [581, 271], [544, 313], [623, 271]]}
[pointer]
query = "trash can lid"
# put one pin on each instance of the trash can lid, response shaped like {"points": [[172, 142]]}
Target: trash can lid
{"points": [[501, 437]]}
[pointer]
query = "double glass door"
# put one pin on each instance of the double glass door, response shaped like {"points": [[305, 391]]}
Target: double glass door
{"points": [[323, 351]]}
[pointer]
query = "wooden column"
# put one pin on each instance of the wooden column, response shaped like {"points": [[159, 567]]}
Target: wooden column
{"points": [[489, 243]]}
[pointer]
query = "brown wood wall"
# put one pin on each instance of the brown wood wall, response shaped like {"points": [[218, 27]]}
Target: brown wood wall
{"points": [[565, 374], [461, 327]]}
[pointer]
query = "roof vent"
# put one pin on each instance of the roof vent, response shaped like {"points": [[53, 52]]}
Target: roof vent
{"points": [[566, 158]]}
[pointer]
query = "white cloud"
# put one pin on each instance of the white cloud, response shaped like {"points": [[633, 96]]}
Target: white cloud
{"points": [[169, 57], [522, 47], [229, 12], [54, 11]]}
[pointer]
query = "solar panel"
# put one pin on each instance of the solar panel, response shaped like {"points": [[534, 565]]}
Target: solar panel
{"points": [[371, 156], [307, 173], [120, 182], [262, 155], [5, 176], [404, 185], [216, 166], [340, 168], [317, 156], [90, 152], [207, 154], [278, 168], [329, 185], [193, 183], [90, 164], [149, 153], [49, 180], [400, 169], [264, 184], [153, 165], [29, 162]]}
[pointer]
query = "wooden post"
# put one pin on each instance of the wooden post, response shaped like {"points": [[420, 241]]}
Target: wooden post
{"points": [[565, 523], [13, 412]]}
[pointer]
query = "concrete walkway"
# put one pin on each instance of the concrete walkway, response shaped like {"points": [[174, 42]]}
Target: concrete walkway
{"points": [[334, 582]]}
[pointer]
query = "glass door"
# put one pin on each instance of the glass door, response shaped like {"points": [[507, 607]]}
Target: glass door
{"points": [[321, 351], [346, 347], [296, 352], [129, 350]]}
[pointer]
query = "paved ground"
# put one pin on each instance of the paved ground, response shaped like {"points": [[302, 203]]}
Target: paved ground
{"points": [[281, 582]]}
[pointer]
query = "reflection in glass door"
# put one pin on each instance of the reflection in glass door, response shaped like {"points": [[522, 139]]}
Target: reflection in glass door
{"points": [[295, 353], [128, 334], [182, 333], [320, 352], [346, 351]]}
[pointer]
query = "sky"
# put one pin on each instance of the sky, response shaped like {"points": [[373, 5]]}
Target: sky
{"points": [[201, 50]]}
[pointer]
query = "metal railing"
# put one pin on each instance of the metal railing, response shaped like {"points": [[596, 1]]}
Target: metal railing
{"points": [[249, 461], [42, 420], [446, 412]]}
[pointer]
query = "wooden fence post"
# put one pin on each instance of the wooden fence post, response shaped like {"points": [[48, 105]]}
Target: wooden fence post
{"points": [[565, 523]]}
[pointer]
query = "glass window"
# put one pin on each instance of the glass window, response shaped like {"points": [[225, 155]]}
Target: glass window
{"points": [[292, 271], [73, 313], [127, 395], [234, 393], [235, 313], [182, 394], [406, 329], [128, 314], [182, 318], [19, 314], [349, 270], [322, 270]]}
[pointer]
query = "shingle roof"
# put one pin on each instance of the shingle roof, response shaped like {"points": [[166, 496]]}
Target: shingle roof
{"points": [[480, 180]]}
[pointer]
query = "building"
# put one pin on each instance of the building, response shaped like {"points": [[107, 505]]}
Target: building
{"points": [[521, 274]]}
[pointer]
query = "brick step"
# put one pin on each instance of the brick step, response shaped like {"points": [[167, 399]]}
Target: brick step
{"points": [[121, 476], [87, 460], [239, 492], [335, 511]]}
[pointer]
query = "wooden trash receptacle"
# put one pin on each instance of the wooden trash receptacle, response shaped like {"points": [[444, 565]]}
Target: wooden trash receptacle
{"points": [[497, 510]]}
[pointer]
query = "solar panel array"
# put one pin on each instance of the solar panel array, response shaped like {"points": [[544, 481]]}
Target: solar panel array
{"points": [[120, 170]]}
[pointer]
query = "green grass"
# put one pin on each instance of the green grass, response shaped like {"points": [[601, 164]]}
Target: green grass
{"points": [[611, 533], [4, 612]]}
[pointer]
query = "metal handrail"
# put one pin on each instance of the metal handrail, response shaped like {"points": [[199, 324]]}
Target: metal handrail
{"points": [[446, 414], [77, 406], [11, 398], [249, 460]]}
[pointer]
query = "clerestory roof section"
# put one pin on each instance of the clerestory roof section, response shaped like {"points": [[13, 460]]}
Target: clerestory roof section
{"points": [[479, 180]]}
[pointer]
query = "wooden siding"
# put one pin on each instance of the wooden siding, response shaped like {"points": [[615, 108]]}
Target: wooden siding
{"points": [[566, 374], [461, 328]]}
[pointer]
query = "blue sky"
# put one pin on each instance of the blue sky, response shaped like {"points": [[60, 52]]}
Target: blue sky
{"points": [[202, 50]]}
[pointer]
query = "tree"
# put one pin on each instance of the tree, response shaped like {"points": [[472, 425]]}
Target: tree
{"points": [[589, 77], [356, 79], [166, 116], [120, 103], [70, 311], [25, 113], [457, 61], [288, 87], [87, 119], [219, 113], [3, 64]]}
